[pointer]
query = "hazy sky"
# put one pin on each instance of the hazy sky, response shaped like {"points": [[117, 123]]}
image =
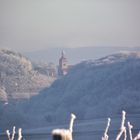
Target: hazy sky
{"points": [[38, 24]]}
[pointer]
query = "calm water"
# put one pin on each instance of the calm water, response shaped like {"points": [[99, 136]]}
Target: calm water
{"points": [[83, 131], [96, 135]]}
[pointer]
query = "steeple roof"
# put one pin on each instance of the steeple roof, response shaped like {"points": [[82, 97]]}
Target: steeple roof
{"points": [[63, 54]]}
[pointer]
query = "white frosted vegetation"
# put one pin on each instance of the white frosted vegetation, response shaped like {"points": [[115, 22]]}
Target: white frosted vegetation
{"points": [[3, 94], [18, 77], [106, 136], [12, 135], [123, 130]]}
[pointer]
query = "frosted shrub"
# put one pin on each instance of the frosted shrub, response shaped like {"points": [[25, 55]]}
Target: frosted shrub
{"points": [[122, 131], [122, 128], [130, 133], [12, 136], [105, 137]]}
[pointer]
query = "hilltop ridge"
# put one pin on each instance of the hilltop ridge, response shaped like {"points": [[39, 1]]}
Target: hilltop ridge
{"points": [[18, 79], [93, 88]]}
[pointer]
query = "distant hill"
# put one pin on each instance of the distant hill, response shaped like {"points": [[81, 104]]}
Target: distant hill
{"points": [[99, 88], [76, 55], [18, 79]]}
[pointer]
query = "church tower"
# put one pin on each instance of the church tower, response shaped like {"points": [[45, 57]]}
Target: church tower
{"points": [[63, 65]]}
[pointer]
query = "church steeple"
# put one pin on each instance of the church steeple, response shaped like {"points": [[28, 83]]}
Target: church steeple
{"points": [[63, 54], [63, 64]]}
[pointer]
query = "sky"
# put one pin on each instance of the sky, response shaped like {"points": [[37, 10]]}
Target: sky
{"points": [[27, 25]]}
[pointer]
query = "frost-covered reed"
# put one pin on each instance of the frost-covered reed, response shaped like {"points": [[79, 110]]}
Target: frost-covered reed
{"points": [[12, 136], [122, 131], [106, 137], [122, 128]]}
